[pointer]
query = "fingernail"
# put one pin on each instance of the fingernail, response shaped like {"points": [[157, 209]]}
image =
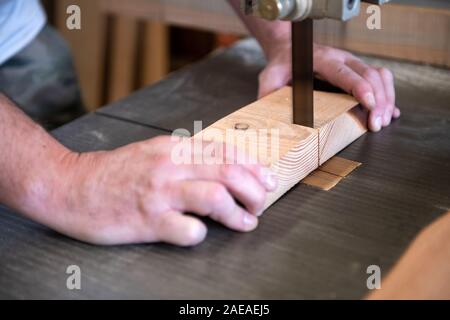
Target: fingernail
{"points": [[369, 101], [269, 179], [250, 220], [377, 124]]}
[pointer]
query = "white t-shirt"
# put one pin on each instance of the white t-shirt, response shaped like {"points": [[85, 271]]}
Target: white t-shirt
{"points": [[20, 22]]}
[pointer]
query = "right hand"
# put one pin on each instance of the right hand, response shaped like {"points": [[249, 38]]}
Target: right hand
{"points": [[372, 87], [137, 194]]}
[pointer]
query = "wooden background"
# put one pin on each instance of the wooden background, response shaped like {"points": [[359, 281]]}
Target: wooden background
{"points": [[125, 45]]}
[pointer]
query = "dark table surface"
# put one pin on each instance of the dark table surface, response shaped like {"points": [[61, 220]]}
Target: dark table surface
{"points": [[310, 244]]}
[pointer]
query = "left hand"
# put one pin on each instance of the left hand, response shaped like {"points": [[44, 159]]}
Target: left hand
{"points": [[372, 87]]}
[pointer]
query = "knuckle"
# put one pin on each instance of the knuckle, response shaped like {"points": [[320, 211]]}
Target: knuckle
{"points": [[369, 74], [217, 194], [230, 172], [362, 87], [341, 71], [386, 73]]}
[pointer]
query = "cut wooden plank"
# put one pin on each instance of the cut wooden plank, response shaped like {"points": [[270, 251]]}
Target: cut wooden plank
{"points": [[264, 130], [328, 175], [322, 180], [339, 166]]}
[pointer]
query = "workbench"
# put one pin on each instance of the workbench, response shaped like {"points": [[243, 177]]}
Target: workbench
{"points": [[310, 244]]}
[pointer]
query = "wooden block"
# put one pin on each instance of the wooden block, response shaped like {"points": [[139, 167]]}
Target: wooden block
{"points": [[339, 122], [264, 130]]}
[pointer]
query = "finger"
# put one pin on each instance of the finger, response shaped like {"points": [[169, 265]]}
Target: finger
{"points": [[241, 184], [372, 75], [389, 89], [272, 78], [389, 86], [219, 153], [213, 200], [236, 155], [342, 76], [397, 113], [181, 230], [347, 79]]}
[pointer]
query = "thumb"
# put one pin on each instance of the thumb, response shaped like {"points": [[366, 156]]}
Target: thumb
{"points": [[272, 78]]}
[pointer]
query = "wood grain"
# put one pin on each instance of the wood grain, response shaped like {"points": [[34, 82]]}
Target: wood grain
{"points": [[264, 130]]}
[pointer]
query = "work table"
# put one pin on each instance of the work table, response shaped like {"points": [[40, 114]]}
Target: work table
{"points": [[310, 244]]}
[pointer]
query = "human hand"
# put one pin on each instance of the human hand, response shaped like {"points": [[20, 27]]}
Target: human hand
{"points": [[137, 194], [372, 87]]}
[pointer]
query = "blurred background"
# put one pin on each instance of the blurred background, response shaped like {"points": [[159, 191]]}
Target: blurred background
{"points": [[126, 45]]}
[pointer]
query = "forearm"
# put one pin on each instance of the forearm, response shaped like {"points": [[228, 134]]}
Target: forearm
{"points": [[29, 162], [270, 34]]}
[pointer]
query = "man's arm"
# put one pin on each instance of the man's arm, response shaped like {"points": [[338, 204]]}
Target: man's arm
{"points": [[30, 161], [372, 87], [133, 194]]}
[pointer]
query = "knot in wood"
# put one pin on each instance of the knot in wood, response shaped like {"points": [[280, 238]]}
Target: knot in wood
{"points": [[241, 126]]}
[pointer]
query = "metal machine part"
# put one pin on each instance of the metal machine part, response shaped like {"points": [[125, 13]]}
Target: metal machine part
{"points": [[296, 10], [301, 13], [303, 73], [378, 2]]}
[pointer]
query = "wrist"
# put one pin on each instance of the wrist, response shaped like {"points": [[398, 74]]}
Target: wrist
{"points": [[46, 185], [60, 198]]}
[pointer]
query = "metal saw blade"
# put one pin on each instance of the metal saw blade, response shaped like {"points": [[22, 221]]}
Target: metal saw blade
{"points": [[303, 72]]}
